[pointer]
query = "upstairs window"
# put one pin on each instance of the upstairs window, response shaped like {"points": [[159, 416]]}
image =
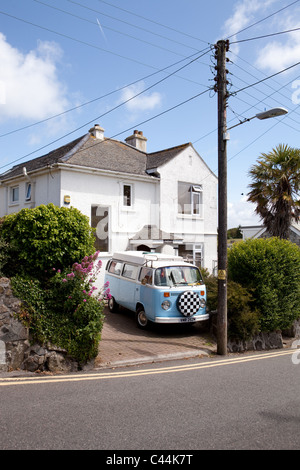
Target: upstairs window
{"points": [[190, 199], [127, 195], [14, 194], [28, 192]]}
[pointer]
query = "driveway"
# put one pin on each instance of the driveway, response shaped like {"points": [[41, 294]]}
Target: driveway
{"points": [[123, 343]]}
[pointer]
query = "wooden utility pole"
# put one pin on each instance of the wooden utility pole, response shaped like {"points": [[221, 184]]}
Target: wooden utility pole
{"points": [[221, 87]]}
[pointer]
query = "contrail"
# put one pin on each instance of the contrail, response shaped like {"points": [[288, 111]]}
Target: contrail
{"points": [[100, 27]]}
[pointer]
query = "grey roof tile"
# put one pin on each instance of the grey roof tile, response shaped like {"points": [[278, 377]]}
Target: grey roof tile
{"points": [[107, 154]]}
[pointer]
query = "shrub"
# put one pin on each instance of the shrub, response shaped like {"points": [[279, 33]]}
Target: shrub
{"points": [[3, 255], [271, 269], [65, 309], [243, 320], [44, 237]]}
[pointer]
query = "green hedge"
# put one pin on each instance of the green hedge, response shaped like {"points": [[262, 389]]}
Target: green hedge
{"points": [[271, 269], [45, 237]]}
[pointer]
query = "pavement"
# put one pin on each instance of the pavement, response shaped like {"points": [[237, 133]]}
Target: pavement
{"points": [[124, 344]]}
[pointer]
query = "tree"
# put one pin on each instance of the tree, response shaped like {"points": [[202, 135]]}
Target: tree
{"points": [[275, 189]]}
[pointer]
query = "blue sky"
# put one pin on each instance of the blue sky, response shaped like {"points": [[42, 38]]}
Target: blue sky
{"points": [[81, 60]]}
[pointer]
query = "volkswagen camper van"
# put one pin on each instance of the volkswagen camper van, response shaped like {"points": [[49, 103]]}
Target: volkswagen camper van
{"points": [[159, 288]]}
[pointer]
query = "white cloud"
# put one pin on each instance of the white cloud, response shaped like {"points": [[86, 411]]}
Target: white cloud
{"points": [[242, 213], [245, 12], [32, 89], [143, 102], [278, 55]]}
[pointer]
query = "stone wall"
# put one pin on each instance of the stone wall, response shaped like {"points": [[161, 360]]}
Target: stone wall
{"points": [[260, 342], [16, 350]]}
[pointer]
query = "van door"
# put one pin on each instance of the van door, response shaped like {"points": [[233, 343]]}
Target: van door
{"points": [[113, 277], [128, 293], [146, 293]]}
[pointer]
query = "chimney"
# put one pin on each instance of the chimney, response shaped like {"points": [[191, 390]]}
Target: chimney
{"points": [[97, 132], [137, 140]]}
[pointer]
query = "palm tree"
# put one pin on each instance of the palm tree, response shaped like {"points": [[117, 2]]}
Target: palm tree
{"points": [[275, 189]]}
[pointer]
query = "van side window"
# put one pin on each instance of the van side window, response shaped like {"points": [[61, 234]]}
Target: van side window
{"points": [[130, 271], [115, 267], [146, 276]]}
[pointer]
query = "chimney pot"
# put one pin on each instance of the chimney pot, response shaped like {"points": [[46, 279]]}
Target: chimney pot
{"points": [[137, 140], [97, 131]]}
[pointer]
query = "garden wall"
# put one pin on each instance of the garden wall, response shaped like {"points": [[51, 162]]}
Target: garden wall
{"points": [[260, 342], [16, 350]]}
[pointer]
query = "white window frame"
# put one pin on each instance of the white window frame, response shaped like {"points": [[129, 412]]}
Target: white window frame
{"points": [[28, 192], [195, 206], [124, 204], [13, 198]]}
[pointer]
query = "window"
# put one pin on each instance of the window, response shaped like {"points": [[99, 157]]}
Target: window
{"points": [[146, 276], [177, 275], [127, 195], [115, 267], [28, 192], [190, 199], [14, 194], [130, 271], [100, 221]]}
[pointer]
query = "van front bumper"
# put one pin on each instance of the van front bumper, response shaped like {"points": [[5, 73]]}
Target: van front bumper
{"points": [[181, 319]]}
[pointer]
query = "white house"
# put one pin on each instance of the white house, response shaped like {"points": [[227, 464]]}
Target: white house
{"points": [[164, 201], [259, 231]]}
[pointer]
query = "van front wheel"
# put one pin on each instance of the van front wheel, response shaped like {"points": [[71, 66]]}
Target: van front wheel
{"points": [[112, 305], [141, 319]]}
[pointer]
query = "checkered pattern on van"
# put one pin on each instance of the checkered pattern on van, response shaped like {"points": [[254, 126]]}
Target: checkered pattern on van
{"points": [[188, 303]]}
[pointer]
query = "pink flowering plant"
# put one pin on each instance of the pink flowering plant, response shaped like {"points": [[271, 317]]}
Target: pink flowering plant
{"points": [[82, 304], [67, 308]]}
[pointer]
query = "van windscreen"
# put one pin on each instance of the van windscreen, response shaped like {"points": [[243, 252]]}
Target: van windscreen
{"points": [[177, 275]]}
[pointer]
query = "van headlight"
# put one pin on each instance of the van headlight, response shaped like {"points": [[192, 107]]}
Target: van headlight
{"points": [[166, 305], [202, 302]]}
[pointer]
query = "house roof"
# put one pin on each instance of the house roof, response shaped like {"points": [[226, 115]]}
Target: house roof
{"points": [[111, 155], [157, 159], [40, 162], [106, 154]]}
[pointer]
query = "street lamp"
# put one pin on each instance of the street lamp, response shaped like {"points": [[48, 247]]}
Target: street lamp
{"points": [[223, 136], [274, 112]]}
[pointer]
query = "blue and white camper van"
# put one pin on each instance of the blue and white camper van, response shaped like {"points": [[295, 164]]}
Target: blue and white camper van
{"points": [[157, 287]]}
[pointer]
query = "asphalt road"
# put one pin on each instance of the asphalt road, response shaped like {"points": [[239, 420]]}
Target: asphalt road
{"points": [[251, 401]]}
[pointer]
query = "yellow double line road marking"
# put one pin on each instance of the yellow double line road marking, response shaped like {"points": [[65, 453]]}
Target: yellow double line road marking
{"points": [[136, 373]]}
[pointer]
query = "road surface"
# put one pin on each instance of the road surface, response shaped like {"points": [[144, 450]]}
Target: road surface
{"points": [[249, 401]]}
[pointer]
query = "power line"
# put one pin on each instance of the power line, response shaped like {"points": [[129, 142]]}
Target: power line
{"points": [[151, 119], [111, 29], [75, 39], [122, 132], [267, 78], [205, 51], [266, 36], [154, 22], [126, 22], [263, 19]]}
